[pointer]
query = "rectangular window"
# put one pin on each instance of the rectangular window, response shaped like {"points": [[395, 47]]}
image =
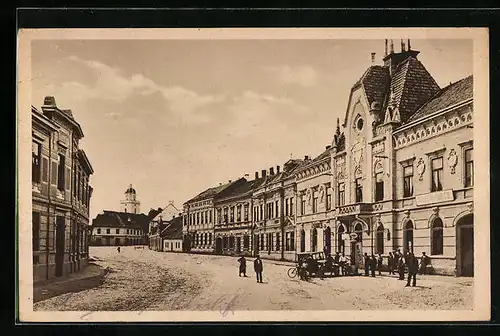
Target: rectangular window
{"points": [[261, 212], [108, 231], [291, 207], [60, 173], [232, 215], [302, 205], [437, 174], [246, 208], [98, 231], [35, 161], [315, 202], [117, 231], [286, 207], [246, 242], [292, 241], [36, 230], [408, 181], [469, 168], [379, 187], [278, 241], [238, 213], [358, 190], [54, 173], [328, 198], [277, 209], [341, 190], [210, 217], [226, 215]]}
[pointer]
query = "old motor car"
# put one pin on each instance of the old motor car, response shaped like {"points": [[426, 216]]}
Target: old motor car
{"points": [[317, 267]]}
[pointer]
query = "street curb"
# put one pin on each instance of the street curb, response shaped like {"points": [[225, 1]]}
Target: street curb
{"points": [[49, 290]]}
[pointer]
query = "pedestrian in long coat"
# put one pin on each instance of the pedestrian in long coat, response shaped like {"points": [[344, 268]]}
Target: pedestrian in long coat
{"points": [[367, 264], [390, 263], [401, 267], [379, 264], [425, 260], [412, 263], [258, 268], [373, 264], [243, 266]]}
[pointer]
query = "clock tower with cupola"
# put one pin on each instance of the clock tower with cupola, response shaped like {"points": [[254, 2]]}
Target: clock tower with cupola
{"points": [[130, 204]]}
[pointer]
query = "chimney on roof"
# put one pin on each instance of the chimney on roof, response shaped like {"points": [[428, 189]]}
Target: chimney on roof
{"points": [[373, 57], [392, 47], [256, 175], [263, 173], [49, 101], [386, 41], [277, 169], [409, 45], [271, 171], [306, 157], [220, 183], [229, 181], [403, 47]]}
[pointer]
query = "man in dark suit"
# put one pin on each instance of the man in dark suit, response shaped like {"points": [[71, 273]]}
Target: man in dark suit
{"points": [[243, 265], [367, 264], [412, 263], [258, 267]]}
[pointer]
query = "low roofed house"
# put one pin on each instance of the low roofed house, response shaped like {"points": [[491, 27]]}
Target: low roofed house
{"points": [[171, 235], [113, 228]]}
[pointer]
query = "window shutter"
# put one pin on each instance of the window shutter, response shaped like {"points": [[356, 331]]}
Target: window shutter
{"points": [[67, 178], [45, 169], [54, 173]]}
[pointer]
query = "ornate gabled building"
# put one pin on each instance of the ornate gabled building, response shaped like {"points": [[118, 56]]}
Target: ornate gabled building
{"points": [[402, 168], [61, 193]]}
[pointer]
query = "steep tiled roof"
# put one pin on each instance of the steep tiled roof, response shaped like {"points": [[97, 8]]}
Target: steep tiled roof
{"points": [[117, 219], [173, 230], [375, 82], [411, 86], [448, 96]]}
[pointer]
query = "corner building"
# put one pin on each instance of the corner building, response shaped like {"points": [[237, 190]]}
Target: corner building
{"points": [[61, 193], [402, 167]]}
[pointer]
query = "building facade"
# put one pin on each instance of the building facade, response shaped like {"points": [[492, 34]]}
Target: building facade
{"points": [[61, 193], [160, 222], [172, 235]]}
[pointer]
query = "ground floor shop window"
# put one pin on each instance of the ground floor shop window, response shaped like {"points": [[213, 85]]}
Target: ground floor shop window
{"points": [[380, 239], [302, 241], [437, 237], [246, 242]]}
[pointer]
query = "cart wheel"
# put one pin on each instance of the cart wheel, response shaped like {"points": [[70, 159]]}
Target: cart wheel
{"points": [[292, 272]]}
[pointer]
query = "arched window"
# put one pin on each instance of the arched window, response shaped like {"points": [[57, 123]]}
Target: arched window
{"points": [[380, 239], [437, 237], [314, 240], [408, 237], [340, 241], [302, 240], [328, 240], [359, 230]]}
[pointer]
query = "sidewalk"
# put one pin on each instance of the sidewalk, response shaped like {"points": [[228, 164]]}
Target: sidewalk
{"points": [[91, 276]]}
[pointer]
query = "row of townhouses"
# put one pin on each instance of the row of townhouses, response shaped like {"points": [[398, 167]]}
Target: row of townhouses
{"points": [[399, 174], [60, 193]]}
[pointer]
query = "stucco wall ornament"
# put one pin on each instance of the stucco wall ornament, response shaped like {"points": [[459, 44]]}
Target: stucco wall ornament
{"points": [[321, 193], [452, 161], [421, 168], [309, 196]]}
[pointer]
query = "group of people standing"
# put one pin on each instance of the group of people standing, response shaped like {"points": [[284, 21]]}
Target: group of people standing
{"points": [[257, 265], [399, 262]]}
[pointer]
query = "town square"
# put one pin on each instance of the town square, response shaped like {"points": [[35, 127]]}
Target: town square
{"points": [[254, 175]]}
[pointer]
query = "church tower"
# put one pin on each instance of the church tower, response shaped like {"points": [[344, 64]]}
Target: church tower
{"points": [[130, 204]]}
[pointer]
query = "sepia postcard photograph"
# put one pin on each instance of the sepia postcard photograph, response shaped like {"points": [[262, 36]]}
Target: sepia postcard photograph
{"points": [[222, 175]]}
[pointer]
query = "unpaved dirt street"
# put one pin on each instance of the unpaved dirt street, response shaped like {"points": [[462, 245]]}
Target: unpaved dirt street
{"points": [[143, 280]]}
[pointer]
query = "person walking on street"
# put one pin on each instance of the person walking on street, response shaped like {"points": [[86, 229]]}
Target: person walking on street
{"points": [[342, 263], [373, 264], [367, 264], [401, 267], [118, 249], [412, 263], [390, 263], [379, 263], [243, 266], [424, 261], [258, 268]]}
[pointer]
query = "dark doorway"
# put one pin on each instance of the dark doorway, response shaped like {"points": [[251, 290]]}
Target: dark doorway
{"points": [[238, 244], [302, 241], [60, 231], [117, 241], [408, 237], [328, 240], [465, 246], [218, 246], [256, 244]]}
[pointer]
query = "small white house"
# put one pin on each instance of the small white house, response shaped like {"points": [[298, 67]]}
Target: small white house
{"points": [[172, 236]]}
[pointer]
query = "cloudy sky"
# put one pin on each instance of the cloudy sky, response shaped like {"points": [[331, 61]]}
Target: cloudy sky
{"points": [[174, 117]]}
